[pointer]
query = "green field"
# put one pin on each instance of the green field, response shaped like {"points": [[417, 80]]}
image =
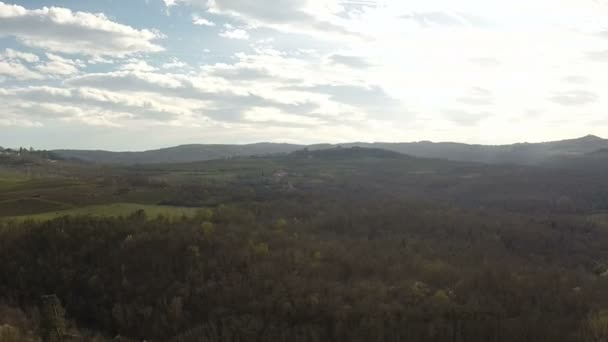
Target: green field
{"points": [[9, 181], [110, 210], [24, 184], [27, 206]]}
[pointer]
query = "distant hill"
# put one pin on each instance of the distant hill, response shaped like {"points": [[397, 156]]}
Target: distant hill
{"points": [[345, 153], [521, 153], [179, 154], [596, 161]]}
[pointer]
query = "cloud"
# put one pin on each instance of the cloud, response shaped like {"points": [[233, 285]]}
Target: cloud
{"points": [[222, 103], [438, 69], [264, 80], [198, 20], [320, 17], [442, 19], [100, 60], [16, 120], [35, 113], [270, 115], [137, 65], [574, 98], [237, 73], [477, 97], [356, 95], [138, 105], [598, 56], [24, 56], [576, 79], [119, 108], [465, 118], [268, 65], [129, 80], [61, 30], [485, 61], [355, 62], [356, 102], [57, 65], [16, 70], [174, 64], [12, 64], [238, 34]]}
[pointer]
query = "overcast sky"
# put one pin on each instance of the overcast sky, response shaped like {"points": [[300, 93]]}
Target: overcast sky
{"points": [[140, 74]]}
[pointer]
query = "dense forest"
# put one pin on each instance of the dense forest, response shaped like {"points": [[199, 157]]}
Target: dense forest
{"points": [[345, 244]]}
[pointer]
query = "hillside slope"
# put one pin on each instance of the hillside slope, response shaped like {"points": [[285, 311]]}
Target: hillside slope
{"points": [[179, 154], [521, 153]]}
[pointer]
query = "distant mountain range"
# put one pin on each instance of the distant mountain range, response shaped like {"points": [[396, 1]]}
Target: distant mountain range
{"points": [[522, 153]]}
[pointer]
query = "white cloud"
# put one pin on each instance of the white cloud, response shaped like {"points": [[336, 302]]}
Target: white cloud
{"points": [[257, 89], [16, 70], [271, 115], [198, 20], [137, 65], [24, 56], [467, 70], [320, 17], [61, 30], [574, 97], [356, 62], [174, 64], [57, 65], [95, 106], [238, 34], [100, 60], [11, 120]]}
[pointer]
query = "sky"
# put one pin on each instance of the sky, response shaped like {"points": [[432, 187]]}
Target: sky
{"points": [[144, 74]]}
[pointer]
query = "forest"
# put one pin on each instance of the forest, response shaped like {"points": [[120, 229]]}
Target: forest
{"points": [[342, 244]]}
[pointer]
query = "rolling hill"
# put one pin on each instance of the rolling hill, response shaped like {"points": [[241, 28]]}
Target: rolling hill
{"points": [[179, 154], [520, 153]]}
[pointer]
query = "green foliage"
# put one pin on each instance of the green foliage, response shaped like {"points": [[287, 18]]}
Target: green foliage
{"points": [[29, 206], [154, 279], [9, 334], [114, 210], [208, 229], [280, 224], [595, 328], [53, 319], [261, 249], [441, 296], [204, 214]]}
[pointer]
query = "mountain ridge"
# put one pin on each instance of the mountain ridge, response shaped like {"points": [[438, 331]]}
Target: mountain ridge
{"points": [[518, 153]]}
